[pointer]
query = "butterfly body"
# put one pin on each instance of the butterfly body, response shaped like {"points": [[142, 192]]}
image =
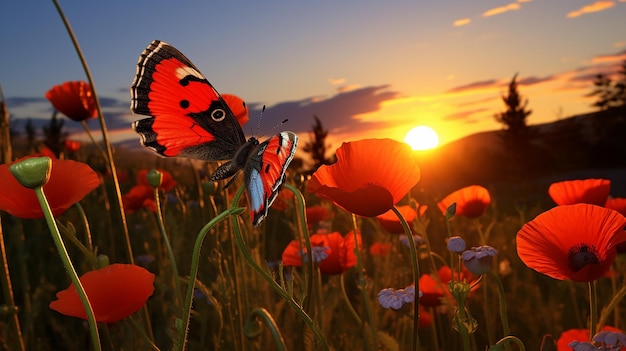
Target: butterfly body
{"points": [[189, 118]]}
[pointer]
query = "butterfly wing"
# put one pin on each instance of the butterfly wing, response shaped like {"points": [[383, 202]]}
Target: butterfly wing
{"points": [[188, 116], [264, 173]]}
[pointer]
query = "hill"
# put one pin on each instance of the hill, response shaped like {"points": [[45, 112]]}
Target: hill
{"points": [[578, 147]]}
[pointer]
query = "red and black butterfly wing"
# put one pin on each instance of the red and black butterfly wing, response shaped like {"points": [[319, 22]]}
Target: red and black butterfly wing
{"points": [[188, 116], [264, 172]]}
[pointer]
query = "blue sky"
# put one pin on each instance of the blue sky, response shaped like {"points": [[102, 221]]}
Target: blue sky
{"points": [[366, 68]]}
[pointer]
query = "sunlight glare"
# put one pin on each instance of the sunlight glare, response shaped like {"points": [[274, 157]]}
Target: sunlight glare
{"points": [[422, 138]]}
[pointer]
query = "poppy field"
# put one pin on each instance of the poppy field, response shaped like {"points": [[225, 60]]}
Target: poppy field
{"points": [[111, 249]]}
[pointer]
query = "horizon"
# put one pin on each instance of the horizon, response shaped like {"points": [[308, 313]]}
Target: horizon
{"points": [[422, 64]]}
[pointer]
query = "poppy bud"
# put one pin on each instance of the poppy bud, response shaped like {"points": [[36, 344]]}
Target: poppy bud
{"points": [[32, 172], [155, 177]]}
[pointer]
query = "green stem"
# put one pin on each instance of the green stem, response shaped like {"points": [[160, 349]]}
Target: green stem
{"points": [[363, 286], [142, 332], [512, 339], [16, 341], [503, 316], [617, 298], [168, 246], [304, 234], [93, 141], [348, 303], [69, 268], [268, 277], [105, 135], [416, 277], [195, 262], [85, 222], [263, 314], [593, 308]]}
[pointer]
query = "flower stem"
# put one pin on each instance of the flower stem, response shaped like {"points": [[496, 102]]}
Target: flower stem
{"points": [[69, 268], [262, 313], [593, 308], [168, 246], [363, 286], [195, 262], [416, 277], [268, 277], [503, 316], [105, 135], [617, 297], [15, 341]]}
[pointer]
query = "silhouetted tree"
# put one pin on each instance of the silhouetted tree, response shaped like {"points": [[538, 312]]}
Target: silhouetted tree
{"points": [[514, 118], [53, 134], [516, 134], [316, 146], [610, 94], [609, 123]]}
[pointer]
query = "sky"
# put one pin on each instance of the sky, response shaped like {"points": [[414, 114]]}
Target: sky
{"points": [[367, 69]]}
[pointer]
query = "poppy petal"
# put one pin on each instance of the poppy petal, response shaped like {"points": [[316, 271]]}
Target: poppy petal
{"points": [[115, 292], [552, 241]]}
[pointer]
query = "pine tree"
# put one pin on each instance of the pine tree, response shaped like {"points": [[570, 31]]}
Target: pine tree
{"points": [[316, 146], [514, 119]]}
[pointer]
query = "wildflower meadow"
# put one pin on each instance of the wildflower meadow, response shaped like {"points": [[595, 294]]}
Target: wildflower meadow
{"points": [[111, 249]]}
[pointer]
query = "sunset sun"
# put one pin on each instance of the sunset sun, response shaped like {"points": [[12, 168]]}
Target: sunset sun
{"points": [[422, 138]]}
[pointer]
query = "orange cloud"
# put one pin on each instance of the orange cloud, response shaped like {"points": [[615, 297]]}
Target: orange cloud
{"points": [[610, 57], [502, 9], [595, 7], [336, 81], [463, 21]]}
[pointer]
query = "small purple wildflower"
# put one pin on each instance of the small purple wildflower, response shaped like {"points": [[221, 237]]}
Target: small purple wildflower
{"points": [[395, 299], [320, 253], [457, 245], [416, 239], [478, 259], [582, 346], [611, 340]]}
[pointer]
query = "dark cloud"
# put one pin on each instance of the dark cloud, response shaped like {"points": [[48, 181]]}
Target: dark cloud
{"points": [[475, 85], [535, 80], [20, 101], [336, 113]]}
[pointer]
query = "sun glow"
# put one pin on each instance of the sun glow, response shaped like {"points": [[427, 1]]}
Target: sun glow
{"points": [[422, 138]]}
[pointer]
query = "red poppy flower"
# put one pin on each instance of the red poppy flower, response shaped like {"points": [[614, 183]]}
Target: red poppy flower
{"points": [[338, 251], [589, 191], [471, 201], [73, 99], [167, 182], [369, 177], [576, 242], [434, 291], [316, 214], [115, 292], [579, 335], [71, 145], [390, 221], [380, 249], [69, 182], [617, 203], [137, 197], [238, 106]]}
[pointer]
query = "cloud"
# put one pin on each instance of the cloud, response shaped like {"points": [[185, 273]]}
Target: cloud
{"points": [[620, 56], [338, 113], [336, 81], [591, 8], [461, 22], [502, 9], [464, 114], [483, 84]]}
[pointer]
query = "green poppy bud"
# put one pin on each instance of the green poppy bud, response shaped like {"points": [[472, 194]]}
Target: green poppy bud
{"points": [[32, 172]]}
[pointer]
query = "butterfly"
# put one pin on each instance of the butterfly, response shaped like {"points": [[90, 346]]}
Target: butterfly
{"points": [[189, 118]]}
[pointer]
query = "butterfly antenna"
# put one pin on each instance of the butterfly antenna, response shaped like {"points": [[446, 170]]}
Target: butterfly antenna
{"points": [[258, 123]]}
